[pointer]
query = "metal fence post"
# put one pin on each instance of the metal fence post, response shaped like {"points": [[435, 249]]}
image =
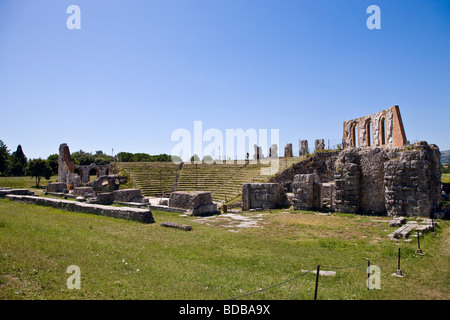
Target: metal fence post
{"points": [[317, 281]]}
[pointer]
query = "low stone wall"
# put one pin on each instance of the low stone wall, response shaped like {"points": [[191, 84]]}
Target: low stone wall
{"points": [[125, 195], [136, 214], [4, 192], [263, 196], [81, 191], [196, 202]]}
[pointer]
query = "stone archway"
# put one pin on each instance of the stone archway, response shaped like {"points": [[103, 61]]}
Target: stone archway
{"points": [[93, 171]]}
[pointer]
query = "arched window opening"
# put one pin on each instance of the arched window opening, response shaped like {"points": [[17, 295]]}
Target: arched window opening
{"points": [[93, 174], [355, 135], [369, 133], [383, 131], [78, 171]]}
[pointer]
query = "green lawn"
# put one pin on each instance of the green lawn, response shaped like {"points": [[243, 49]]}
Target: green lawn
{"points": [[121, 259], [25, 182], [445, 177]]}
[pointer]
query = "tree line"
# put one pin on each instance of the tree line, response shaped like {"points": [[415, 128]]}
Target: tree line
{"points": [[17, 164]]}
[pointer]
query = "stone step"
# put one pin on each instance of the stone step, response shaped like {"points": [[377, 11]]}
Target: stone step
{"points": [[402, 232]]}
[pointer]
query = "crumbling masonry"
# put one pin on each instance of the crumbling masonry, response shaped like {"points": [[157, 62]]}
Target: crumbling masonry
{"points": [[75, 175], [381, 129], [383, 175]]}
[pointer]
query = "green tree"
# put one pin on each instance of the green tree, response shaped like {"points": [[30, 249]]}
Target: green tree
{"points": [[101, 158], [18, 162], [176, 159], [141, 157], [163, 157], [208, 158], [39, 168], [4, 158], [52, 161], [194, 158], [82, 158], [124, 157]]}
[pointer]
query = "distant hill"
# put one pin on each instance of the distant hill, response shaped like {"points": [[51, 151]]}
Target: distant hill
{"points": [[445, 157]]}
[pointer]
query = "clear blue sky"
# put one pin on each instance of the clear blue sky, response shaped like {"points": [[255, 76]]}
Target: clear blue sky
{"points": [[138, 70]]}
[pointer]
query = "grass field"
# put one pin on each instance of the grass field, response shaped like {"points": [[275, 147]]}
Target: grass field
{"points": [[120, 259]]}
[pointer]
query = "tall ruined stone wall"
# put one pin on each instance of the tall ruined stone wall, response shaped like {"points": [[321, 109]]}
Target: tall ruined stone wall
{"points": [[402, 181], [66, 169], [65, 164], [413, 182], [397, 181], [359, 180], [84, 170], [381, 129]]}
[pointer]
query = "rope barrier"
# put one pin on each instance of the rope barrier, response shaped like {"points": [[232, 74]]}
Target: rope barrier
{"points": [[306, 272], [389, 261], [275, 285], [348, 267]]}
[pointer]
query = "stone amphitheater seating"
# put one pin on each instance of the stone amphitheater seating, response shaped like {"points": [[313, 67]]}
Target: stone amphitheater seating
{"points": [[224, 181]]}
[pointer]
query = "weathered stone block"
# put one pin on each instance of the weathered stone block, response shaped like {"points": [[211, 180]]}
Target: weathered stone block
{"points": [[303, 148], [288, 151], [197, 202], [263, 195], [128, 195], [56, 187], [319, 144], [125, 195], [81, 191], [303, 189]]}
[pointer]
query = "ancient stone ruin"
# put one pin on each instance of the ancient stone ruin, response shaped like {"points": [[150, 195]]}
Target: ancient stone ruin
{"points": [[103, 190], [381, 129], [74, 175], [136, 214], [273, 151], [307, 192], [118, 196], [84, 171], [375, 171], [258, 152], [288, 151], [400, 181], [262, 196], [303, 148], [319, 145], [196, 202], [383, 175]]}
